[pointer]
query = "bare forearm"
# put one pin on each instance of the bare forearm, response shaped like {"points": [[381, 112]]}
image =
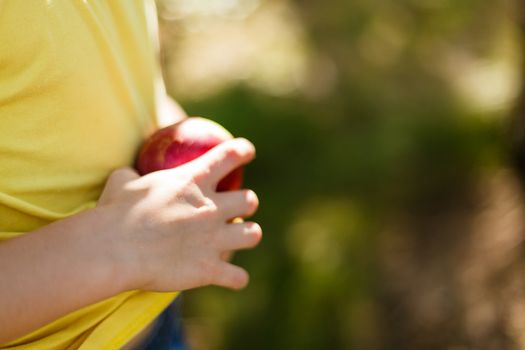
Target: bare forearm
{"points": [[165, 231], [54, 270]]}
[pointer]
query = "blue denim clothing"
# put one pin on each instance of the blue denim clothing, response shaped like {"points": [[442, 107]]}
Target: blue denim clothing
{"points": [[168, 331]]}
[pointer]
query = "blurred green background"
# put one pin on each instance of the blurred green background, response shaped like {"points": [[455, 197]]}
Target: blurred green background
{"points": [[391, 218]]}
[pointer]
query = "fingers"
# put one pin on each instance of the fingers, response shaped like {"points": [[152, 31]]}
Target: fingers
{"points": [[230, 276], [123, 175], [240, 236], [236, 204], [221, 160], [116, 181]]}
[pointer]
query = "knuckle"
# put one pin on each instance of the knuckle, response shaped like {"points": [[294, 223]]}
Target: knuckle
{"points": [[123, 170], [231, 151], [203, 173], [230, 154], [209, 209], [122, 173], [186, 181], [186, 185], [116, 173]]}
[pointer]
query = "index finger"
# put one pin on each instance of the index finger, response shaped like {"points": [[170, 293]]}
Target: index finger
{"points": [[221, 160]]}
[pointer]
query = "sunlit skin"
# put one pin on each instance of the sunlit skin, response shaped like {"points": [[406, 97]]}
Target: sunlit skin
{"points": [[182, 142], [188, 197], [165, 231]]}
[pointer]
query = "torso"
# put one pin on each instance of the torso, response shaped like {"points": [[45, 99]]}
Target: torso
{"points": [[76, 101]]}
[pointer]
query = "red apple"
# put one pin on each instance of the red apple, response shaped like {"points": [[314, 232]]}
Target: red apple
{"points": [[179, 143]]}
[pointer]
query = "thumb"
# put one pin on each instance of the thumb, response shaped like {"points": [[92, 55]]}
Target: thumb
{"points": [[115, 183], [224, 158]]}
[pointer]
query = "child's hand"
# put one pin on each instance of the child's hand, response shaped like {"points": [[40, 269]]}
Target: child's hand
{"points": [[171, 227]]}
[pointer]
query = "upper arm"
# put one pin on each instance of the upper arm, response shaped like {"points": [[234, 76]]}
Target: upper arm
{"points": [[168, 110]]}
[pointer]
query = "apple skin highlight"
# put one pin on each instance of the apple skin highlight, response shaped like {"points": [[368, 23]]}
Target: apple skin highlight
{"points": [[182, 142]]}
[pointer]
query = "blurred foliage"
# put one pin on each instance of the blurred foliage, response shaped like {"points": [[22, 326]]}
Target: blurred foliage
{"points": [[376, 123]]}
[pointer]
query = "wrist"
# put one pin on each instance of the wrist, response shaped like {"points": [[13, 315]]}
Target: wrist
{"points": [[111, 261]]}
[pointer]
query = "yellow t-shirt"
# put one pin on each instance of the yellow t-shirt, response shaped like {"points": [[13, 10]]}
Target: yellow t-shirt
{"points": [[77, 81]]}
